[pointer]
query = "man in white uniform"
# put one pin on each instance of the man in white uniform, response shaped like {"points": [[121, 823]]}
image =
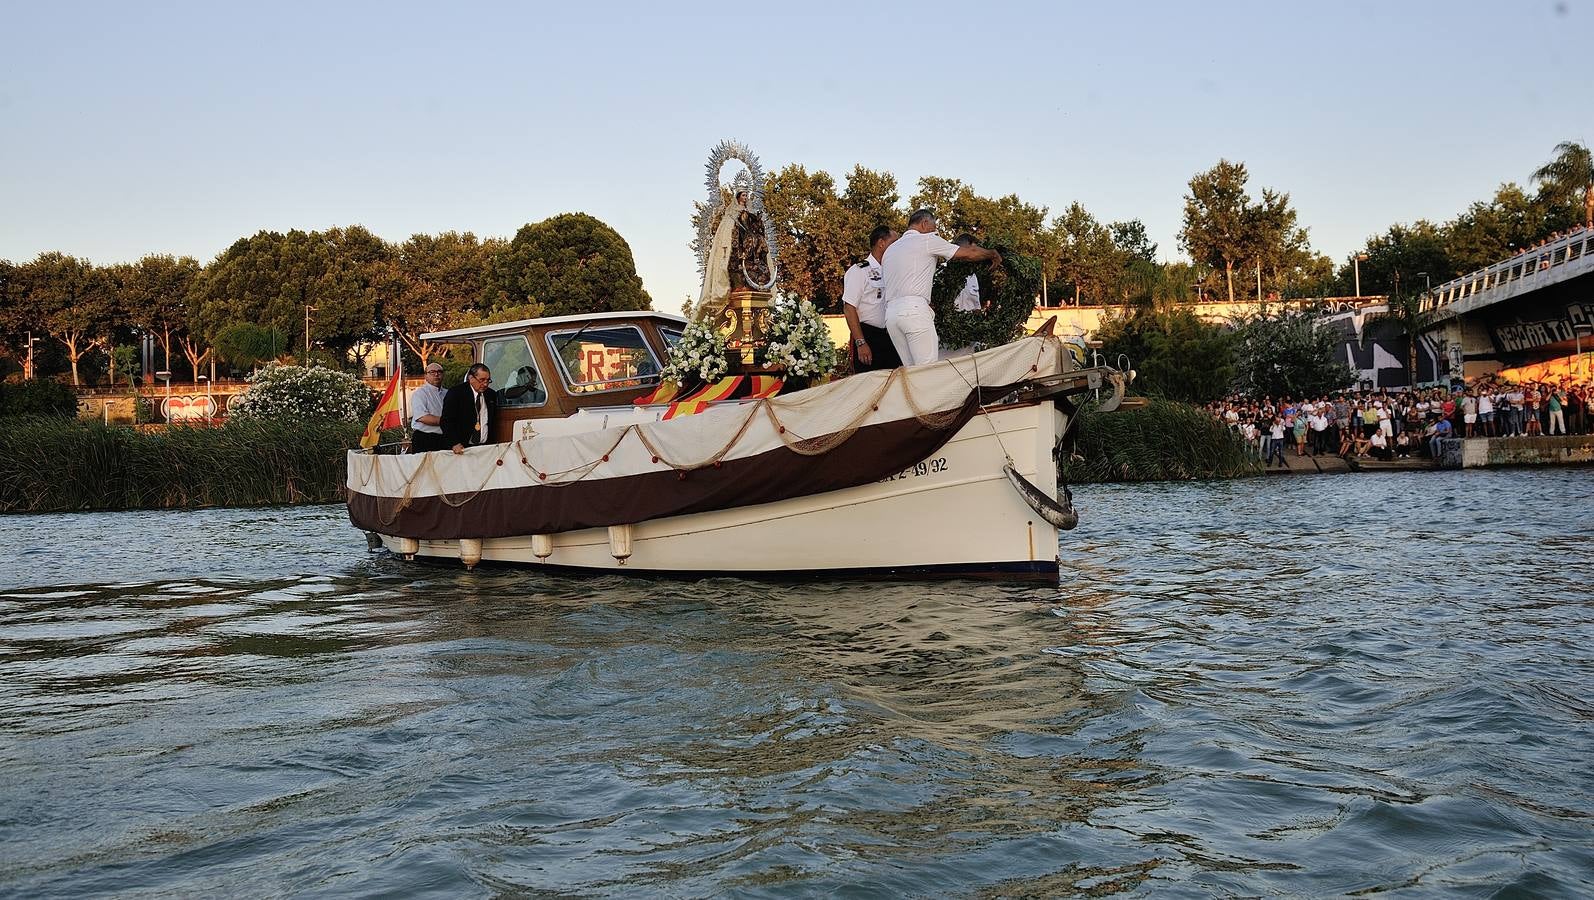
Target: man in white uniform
{"points": [[866, 310], [968, 299], [909, 268], [426, 413]]}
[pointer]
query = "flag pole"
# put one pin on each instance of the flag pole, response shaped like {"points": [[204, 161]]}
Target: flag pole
{"points": [[398, 366]]}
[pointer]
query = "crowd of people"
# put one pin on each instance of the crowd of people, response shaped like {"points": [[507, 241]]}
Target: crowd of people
{"points": [[1389, 424]]}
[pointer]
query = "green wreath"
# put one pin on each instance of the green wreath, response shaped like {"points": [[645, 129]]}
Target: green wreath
{"points": [[1008, 291]]}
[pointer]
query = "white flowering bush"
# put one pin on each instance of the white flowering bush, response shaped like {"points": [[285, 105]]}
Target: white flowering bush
{"points": [[300, 393], [799, 340], [699, 356]]}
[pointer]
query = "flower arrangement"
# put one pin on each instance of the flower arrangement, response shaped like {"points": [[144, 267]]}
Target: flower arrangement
{"points": [[699, 356], [1010, 290], [798, 340], [301, 393]]}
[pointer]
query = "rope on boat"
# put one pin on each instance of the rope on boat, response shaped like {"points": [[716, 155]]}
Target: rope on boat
{"points": [[815, 446]]}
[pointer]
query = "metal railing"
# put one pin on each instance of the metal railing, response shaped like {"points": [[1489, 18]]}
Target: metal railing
{"points": [[1531, 263]]}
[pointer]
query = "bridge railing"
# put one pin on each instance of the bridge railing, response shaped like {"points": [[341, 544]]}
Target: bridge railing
{"points": [[1574, 245]]}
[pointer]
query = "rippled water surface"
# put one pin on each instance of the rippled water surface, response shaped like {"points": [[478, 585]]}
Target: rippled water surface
{"points": [[1291, 686]]}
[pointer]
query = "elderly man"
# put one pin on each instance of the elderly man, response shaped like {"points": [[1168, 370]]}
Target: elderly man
{"points": [[468, 410], [865, 308], [908, 270], [426, 413]]}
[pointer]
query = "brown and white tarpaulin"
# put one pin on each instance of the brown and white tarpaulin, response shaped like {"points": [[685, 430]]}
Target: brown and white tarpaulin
{"points": [[838, 435]]}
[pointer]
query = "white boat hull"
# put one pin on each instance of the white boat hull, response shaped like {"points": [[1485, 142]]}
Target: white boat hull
{"points": [[954, 514]]}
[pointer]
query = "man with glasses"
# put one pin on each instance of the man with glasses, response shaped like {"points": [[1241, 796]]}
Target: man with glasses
{"points": [[426, 413], [469, 409]]}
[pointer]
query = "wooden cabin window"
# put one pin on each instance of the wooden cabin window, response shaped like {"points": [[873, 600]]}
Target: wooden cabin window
{"points": [[611, 358], [515, 376]]}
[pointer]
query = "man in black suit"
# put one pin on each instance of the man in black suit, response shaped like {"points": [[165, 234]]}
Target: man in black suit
{"points": [[468, 410]]}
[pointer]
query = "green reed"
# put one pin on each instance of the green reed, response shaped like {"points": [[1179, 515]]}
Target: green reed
{"points": [[57, 465], [1164, 441]]}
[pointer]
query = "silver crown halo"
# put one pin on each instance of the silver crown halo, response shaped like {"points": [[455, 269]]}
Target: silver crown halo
{"points": [[750, 180]]}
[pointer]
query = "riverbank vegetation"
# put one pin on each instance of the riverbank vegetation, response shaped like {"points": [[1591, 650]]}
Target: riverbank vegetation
{"points": [[57, 465], [1163, 441]]}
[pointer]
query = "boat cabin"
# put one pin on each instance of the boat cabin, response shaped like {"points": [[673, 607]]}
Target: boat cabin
{"points": [[552, 367]]}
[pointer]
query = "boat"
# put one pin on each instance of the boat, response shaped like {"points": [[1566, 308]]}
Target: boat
{"points": [[597, 462], [940, 470]]}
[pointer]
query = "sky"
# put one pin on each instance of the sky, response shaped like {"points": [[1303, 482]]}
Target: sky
{"points": [[129, 129]]}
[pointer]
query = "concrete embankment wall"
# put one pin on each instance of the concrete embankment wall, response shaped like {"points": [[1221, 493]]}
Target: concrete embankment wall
{"points": [[1561, 450]]}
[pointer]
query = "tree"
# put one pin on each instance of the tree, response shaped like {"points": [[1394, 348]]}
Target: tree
{"points": [[570, 263], [154, 296], [268, 280], [1287, 354], [815, 236], [1176, 355], [1491, 230], [1224, 227], [994, 221], [1087, 257], [434, 283], [1406, 249], [72, 300], [247, 345], [13, 326], [1130, 237], [1567, 181], [1216, 228]]}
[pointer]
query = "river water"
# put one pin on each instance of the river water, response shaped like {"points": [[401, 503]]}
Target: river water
{"points": [[1297, 686]]}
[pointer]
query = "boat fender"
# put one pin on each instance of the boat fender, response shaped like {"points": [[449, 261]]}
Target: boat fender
{"points": [[542, 545], [408, 547], [470, 551], [1061, 515], [620, 542]]}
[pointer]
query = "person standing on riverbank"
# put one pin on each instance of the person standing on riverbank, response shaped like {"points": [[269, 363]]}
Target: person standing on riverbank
{"points": [[426, 408], [1556, 405]]}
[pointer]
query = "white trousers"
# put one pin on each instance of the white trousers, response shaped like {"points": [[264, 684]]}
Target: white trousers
{"points": [[911, 324]]}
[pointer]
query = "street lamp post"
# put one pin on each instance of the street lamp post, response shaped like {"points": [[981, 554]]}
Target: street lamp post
{"points": [[210, 410], [31, 341], [166, 409], [308, 309], [1356, 262]]}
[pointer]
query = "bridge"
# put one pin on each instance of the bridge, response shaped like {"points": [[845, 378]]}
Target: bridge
{"points": [[1533, 308]]}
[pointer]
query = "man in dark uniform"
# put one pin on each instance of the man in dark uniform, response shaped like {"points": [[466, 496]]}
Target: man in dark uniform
{"points": [[871, 346]]}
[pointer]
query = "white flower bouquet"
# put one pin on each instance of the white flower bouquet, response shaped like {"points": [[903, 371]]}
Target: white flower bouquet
{"points": [[798, 340], [699, 356]]}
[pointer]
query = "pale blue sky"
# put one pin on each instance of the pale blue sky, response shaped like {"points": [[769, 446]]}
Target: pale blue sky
{"points": [[166, 127]]}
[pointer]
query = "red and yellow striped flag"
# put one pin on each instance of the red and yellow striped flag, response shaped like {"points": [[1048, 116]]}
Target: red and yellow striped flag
{"points": [[386, 415], [765, 386], [696, 403]]}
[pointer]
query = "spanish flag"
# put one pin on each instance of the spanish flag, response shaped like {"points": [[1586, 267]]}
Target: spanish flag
{"points": [[386, 415]]}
